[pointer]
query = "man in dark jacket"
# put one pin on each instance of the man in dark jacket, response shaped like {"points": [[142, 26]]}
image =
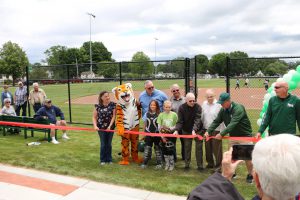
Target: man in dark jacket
{"points": [[50, 112], [237, 124], [280, 181], [189, 122]]}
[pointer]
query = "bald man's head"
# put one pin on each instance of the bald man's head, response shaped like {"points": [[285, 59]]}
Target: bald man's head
{"points": [[281, 89]]}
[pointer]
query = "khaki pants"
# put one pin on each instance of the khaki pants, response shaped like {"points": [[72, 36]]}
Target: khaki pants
{"points": [[213, 148], [188, 151]]}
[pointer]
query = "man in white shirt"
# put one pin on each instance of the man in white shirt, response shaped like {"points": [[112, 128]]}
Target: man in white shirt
{"points": [[213, 147]]}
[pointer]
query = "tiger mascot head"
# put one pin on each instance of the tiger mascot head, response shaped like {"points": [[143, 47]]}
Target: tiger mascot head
{"points": [[123, 93]]}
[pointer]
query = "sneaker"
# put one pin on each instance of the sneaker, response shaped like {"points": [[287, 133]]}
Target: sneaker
{"points": [[143, 166], [234, 176], [54, 142], [158, 166], [110, 163], [171, 168], [65, 137], [249, 178], [102, 163]]}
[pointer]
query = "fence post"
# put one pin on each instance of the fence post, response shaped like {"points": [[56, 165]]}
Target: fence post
{"points": [[27, 83], [69, 94], [227, 74], [187, 75], [195, 84], [120, 72]]}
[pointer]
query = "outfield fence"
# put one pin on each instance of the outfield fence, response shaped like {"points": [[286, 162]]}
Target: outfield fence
{"points": [[164, 73]]}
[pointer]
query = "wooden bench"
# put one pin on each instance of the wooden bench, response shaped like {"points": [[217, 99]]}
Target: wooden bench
{"points": [[28, 120]]}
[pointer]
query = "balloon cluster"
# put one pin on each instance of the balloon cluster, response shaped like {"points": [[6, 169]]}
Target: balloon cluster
{"points": [[292, 78]]}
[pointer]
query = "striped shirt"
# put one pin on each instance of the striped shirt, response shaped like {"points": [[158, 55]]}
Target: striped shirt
{"points": [[21, 95]]}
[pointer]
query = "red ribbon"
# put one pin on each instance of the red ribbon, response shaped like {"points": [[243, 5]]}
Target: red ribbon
{"points": [[43, 126]]}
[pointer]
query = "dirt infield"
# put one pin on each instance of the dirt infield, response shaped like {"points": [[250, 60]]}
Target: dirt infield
{"points": [[251, 98]]}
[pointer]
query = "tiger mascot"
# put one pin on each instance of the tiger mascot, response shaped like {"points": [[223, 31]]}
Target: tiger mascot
{"points": [[128, 115]]}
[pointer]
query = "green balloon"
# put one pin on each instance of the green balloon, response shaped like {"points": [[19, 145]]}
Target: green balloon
{"points": [[298, 69], [261, 114], [265, 106], [270, 89], [296, 77], [292, 85]]}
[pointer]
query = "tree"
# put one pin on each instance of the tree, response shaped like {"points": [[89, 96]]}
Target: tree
{"points": [[99, 52], [178, 66], [143, 67], [108, 69], [276, 68], [217, 64], [13, 60], [57, 55], [202, 63], [38, 72], [240, 66]]}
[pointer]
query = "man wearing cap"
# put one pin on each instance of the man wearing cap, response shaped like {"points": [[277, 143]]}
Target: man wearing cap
{"points": [[50, 112], [21, 99], [237, 124]]}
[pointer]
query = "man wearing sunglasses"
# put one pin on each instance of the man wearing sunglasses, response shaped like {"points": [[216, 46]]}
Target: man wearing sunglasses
{"points": [[189, 122], [237, 124], [149, 94], [177, 100], [49, 111], [282, 113]]}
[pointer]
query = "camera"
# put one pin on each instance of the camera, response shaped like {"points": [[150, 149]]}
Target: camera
{"points": [[242, 151]]}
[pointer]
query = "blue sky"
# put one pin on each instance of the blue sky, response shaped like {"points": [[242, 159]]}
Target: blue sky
{"points": [[183, 28]]}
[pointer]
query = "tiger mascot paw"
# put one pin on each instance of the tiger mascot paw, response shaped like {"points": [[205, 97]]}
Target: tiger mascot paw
{"points": [[124, 162]]}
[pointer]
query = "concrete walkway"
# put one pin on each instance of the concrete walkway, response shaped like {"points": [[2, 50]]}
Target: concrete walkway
{"points": [[20, 183]]}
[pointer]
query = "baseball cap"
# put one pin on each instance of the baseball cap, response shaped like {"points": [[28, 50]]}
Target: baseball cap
{"points": [[223, 97], [47, 100]]}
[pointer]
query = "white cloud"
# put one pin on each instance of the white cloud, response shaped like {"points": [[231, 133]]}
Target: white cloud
{"points": [[184, 28]]}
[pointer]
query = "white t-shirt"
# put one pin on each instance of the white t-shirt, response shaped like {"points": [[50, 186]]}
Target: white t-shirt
{"points": [[209, 114]]}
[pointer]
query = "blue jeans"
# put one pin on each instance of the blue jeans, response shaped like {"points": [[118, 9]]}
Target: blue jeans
{"points": [[105, 146]]}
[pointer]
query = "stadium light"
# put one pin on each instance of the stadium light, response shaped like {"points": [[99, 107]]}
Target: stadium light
{"points": [[91, 60]]}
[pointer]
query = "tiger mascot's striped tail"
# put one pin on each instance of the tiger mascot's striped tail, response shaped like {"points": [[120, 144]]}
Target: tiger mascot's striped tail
{"points": [[127, 118]]}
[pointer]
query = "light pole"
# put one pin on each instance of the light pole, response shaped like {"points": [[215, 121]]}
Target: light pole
{"points": [[155, 54], [91, 60]]}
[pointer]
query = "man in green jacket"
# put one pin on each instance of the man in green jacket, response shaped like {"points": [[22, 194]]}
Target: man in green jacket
{"points": [[282, 113], [237, 124]]}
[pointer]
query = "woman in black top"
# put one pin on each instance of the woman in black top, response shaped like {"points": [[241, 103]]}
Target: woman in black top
{"points": [[103, 119]]}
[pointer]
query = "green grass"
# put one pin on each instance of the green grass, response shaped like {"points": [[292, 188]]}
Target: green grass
{"points": [[80, 155]]}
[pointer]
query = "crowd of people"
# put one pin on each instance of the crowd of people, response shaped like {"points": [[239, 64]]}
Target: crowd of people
{"points": [[42, 106], [182, 115]]}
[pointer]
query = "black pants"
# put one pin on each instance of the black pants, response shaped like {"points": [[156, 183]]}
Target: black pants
{"points": [[23, 107], [36, 107]]}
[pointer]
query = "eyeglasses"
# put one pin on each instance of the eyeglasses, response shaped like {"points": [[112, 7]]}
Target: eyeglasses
{"points": [[175, 90], [210, 97], [150, 88], [7, 102], [277, 87], [192, 101]]}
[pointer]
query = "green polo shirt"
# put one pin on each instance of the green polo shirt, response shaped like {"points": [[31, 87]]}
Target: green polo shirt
{"points": [[236, 120], [281, 115]]}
